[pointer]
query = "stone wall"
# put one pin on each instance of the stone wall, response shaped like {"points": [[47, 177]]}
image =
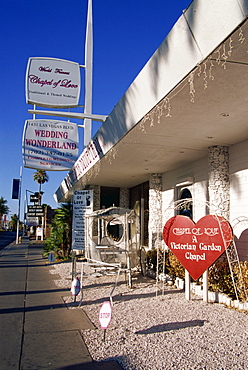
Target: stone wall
{"points": [[155, 211], [96, 197], [124, 197], [219, 185]]}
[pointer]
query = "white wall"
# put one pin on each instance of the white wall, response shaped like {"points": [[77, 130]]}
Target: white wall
{"points": [[199, 189], [238, 169]]}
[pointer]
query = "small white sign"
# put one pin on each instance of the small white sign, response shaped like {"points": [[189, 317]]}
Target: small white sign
{"points": [[39, 231], [105, 314], [52, 82], [82, 205], [75, 286]]}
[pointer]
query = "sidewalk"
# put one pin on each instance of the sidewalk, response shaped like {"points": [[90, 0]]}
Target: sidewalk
{"points": [[37, 330]]}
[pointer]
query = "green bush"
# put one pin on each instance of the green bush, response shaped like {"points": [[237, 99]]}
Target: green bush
{"points": [[220, 278], [151, 258], [168, 263], [61, 237], [242, 277], [174, 267]]}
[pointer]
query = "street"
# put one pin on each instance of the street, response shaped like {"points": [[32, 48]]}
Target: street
{"points": [[6, 238]]}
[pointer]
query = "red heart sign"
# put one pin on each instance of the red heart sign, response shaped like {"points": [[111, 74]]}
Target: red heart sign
{"points": [[198, 245]]}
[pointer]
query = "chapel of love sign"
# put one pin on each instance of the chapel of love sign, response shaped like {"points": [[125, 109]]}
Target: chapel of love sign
{"points": [[52, 82], [197, 245]]}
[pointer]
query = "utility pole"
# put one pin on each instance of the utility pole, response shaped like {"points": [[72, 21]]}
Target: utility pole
{"points": [[19, 206]]}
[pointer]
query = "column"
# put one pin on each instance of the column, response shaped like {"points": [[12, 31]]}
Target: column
{"points": [[124, 197], [219, 185], [155, 211], [96, 197]]}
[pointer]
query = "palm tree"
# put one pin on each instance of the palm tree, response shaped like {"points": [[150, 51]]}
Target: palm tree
{"points": [[14, 222], [41, 177], [63, 221], [4, 209]]}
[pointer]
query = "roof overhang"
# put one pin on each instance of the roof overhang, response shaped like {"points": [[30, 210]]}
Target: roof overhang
{"points": [[191, 95]]}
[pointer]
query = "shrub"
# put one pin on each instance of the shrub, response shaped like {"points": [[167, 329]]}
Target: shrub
{"points": [[60, 240], [242, 277], [220, 278], [168, 263], [174, 267], [151, 257]]}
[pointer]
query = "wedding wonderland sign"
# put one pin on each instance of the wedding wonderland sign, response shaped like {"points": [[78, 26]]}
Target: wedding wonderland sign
{"points": [[50, 145], [197, 245]]}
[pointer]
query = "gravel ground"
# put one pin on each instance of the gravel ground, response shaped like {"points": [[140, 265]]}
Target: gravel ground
{"points": [[154, 327]]}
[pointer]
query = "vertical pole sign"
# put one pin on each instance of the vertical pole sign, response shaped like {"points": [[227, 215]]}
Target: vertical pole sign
{"points": [[15, 188], [88, 74], [82, 205]]}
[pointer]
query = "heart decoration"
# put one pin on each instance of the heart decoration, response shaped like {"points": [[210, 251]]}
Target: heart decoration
{"points": [[197, 245]]}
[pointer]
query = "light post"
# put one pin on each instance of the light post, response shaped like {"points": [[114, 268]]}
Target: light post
{"points": [[19, 205], [26, 207]]}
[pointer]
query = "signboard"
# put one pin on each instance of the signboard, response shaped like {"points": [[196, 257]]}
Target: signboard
{"points": [[32, 221], [105, 314], [49, 145], [82, 205], [39, 231], [35, 211], [197, 246], [52, 82], [35, 197], [75, 286], [15, 188]]}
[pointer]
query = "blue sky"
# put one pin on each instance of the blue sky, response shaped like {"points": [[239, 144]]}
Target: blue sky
{"points": [[126, 34]]}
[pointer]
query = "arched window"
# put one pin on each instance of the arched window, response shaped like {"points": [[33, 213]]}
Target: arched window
{"points": [[188, 208]]}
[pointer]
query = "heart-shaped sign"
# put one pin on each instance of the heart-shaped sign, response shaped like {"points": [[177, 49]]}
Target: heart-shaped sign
{"points": [[197, 246]]}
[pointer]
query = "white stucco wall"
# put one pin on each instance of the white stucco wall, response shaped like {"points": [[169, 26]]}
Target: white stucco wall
{"points": [[238, 169], [199, 189]]}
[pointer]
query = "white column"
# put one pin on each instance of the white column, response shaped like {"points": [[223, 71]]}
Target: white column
{"points": [[187, 286], [155, 211]]}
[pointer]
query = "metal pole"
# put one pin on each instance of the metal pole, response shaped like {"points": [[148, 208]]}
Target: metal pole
{"points": [[19, 204], [142, 211], [187, 285], [88, 74], [205, 286]]}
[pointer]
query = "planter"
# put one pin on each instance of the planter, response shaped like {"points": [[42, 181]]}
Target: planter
{"points": [[212, 296], [179, 283]]}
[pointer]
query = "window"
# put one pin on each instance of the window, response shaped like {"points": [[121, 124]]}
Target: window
{"points": [[187, 209]]}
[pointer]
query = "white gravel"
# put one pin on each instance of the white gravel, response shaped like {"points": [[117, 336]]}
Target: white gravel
{"points": [[150, 331]]}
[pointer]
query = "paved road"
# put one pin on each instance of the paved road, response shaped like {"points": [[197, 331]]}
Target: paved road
{"points": [[6, 238]]}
